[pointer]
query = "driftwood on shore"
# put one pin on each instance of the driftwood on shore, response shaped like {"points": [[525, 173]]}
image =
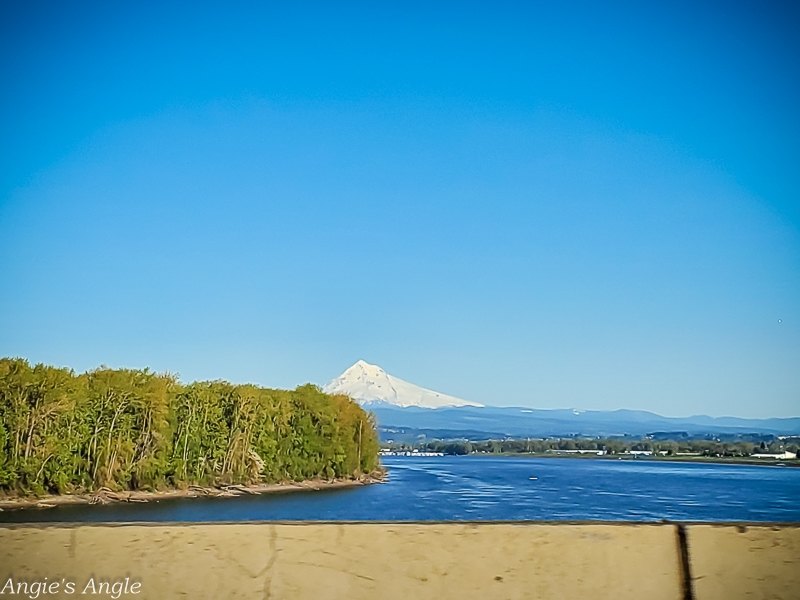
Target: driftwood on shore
{"points": [[107, 496]]}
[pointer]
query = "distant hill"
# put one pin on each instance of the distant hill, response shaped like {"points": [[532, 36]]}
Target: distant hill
{"points": [[477, 422]]}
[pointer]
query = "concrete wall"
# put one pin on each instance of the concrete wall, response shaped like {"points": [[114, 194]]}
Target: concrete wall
{"points": [[404, 561]]}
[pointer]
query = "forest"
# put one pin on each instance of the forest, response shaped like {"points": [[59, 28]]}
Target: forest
{"points": [[127, 429]]}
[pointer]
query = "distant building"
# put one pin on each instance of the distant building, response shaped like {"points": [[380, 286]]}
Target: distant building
{"points": [[782, 456], [597, 452], [406, 453]]}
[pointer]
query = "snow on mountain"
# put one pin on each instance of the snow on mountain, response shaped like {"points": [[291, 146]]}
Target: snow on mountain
{"points": [[369, 384]]}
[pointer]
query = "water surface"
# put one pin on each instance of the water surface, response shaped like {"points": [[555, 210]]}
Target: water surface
{"points": [[467, 488]]}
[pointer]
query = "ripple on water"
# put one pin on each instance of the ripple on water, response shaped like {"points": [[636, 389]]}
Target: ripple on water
{"points": [[490, 488]]}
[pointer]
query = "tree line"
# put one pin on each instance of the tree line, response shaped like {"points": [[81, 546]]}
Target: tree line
{"points": [[702, 447], [128, 429]]}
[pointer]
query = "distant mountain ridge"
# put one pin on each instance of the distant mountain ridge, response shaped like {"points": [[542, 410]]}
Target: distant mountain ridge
{"points": [[399, 404], [525, 422]]}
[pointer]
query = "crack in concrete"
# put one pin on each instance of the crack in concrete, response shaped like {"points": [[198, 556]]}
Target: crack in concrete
{"points": [[267, 570], [337, 569], [687, 584]]}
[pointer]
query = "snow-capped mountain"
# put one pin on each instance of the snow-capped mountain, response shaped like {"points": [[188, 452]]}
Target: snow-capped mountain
{"points": [[370, 384], [402, 410]]}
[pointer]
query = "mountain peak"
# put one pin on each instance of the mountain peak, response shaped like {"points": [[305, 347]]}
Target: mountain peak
{"points": [[365, 367], [369, 384]]}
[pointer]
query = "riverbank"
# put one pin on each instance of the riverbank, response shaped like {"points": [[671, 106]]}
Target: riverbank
{"points": [[727, 460], [107, 496], [720, 460]]}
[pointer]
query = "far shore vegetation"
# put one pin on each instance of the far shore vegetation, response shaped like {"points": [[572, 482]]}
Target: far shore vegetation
{"points": [[126, 429], [742, 448]]}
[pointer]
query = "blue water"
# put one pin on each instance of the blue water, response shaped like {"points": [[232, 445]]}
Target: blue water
{"points": [[498, 489]]}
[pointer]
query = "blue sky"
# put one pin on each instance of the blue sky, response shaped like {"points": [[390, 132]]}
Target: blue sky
{"points": [[590, 205]]}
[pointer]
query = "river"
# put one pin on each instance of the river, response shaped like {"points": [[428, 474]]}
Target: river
{"points": [[467, 488]]}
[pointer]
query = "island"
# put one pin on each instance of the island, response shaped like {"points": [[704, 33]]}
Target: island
{"points": [[133, 435]]}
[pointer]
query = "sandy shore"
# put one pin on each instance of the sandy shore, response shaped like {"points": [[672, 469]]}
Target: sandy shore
{"points": [[107, 496]]}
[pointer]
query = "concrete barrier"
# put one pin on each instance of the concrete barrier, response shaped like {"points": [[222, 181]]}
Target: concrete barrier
{"points": [[400, 561], [745, 561]]}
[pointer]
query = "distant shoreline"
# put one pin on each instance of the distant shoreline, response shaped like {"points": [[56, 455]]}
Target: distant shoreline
{"points": [[758, 462], [680, 459], [106, 496], [675, 459]]}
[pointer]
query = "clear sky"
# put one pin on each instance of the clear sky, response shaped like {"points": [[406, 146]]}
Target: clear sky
{"points": [[547, 204]]}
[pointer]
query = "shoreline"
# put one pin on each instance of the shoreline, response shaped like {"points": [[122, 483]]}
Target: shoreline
{"points": [[758, 462], [674, 459], [105, 496]]}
